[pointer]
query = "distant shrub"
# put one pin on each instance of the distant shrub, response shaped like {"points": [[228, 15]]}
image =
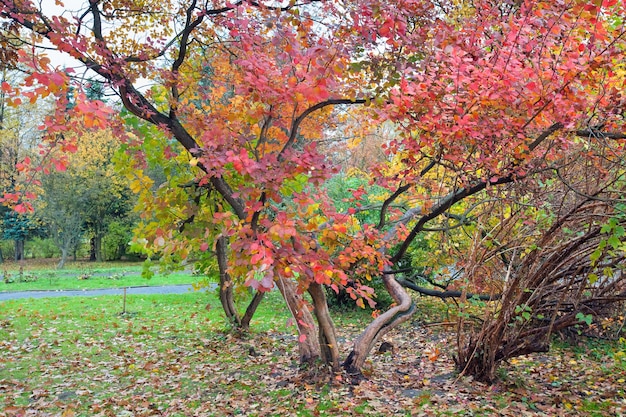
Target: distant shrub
{"points": [[115, 242], [20, 276], [6, 246], [41, 248]]}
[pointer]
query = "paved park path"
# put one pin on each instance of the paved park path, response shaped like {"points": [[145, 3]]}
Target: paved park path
{"points": [[165, 289]]}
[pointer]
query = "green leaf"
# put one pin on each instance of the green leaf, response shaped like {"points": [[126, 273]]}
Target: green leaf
{"points": [[614, 242], [295, 185], [587, 319], [595, 255], [146, 271]]}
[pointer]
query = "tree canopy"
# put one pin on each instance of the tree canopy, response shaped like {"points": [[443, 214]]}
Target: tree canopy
{"points": [[481, 95]]}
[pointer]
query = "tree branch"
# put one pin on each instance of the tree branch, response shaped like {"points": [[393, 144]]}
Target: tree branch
{"points": [[593, 133], [398, 192], [462, 193], [296, 123], [97, 23], [388, 201], [184, 37], [445, 294]]}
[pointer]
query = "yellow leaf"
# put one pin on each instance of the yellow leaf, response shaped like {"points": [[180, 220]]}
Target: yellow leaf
{"points": [[135, 186]]}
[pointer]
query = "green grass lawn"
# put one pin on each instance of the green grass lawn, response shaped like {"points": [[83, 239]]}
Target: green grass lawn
{"points": [[29, 276], [81, 356], [173, 355]]}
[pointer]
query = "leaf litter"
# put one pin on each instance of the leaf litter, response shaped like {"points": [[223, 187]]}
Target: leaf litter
{"points": [[173, 363]]}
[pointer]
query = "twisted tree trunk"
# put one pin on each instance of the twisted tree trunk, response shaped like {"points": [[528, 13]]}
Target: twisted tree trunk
{"points": [[326, 332], [226, 283], [308, 343], [404, 309]]}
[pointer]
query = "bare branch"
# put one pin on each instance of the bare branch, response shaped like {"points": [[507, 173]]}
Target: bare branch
{"points": [[446, 294], [399, 191], [593, 133], [296, 123], [388, 201]]}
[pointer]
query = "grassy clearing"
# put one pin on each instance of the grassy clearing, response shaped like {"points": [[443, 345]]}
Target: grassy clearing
{"points": [[71, 267], [170, 355], [81, 354], [29, 276]]}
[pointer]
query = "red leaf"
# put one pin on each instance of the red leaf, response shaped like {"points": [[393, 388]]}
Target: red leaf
{"points": [[23, 208], [60, 166], [302, 338], [10, 198]]}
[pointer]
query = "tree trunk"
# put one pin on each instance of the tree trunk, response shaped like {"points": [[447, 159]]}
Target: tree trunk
{"points": [[95, 247], [308, 342], [19, 249], [226, 284], [403, 310], [61, 263], [92, 249], [481, 363], [226, 291], [245, 320], [327, 337], [1, 257], [98, 246]]}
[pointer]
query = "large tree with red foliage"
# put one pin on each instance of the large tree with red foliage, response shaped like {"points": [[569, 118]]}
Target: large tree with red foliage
{"points": [[481, 94]]}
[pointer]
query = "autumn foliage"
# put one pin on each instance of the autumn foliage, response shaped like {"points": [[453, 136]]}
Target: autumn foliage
{"points": [[480, 95]]}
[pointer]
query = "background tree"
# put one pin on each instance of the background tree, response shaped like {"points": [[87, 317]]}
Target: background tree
{"points": [[107, 191], [19, 138], [86, 196], [62, 209]]}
